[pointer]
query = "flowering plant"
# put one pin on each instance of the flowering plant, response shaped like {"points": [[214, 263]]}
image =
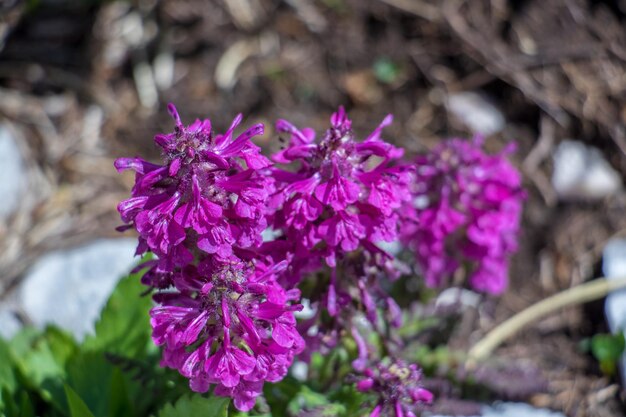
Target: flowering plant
{"points": [[229, 303]]}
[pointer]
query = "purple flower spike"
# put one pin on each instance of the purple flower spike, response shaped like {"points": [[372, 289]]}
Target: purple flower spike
{"points": [[340, 194], [222, 319], [398, 387], [236, 333], [208, 190], [343, 197], [471, 204]]}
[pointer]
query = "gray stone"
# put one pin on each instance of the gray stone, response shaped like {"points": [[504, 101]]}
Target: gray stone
{"points": [[476, 112], [9, 323], [458, 296], [13, 173], [69, 288], [518, 410], [582, 173], [513, 410], [614, 267]]}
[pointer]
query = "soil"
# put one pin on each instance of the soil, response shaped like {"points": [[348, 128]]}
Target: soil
{"points": [[82, 83]]}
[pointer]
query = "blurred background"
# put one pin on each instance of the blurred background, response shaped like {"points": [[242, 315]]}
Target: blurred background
{"points": [[84, 82]]}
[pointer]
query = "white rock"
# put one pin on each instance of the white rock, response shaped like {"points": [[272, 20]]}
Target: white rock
{"points": [[270, 235], [513, 410], [582, 173], [518, 410], [614, 267], [455, 296], [476, 112], [13, 173], [69, 288], [307, 311], [392, 248], [9, 324], [299, 370]]}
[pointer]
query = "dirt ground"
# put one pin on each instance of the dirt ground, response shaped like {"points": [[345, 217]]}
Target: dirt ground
{"points": [[84, 82]]}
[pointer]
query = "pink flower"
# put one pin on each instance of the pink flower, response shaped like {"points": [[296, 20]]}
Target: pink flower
{"points": [[222, 318], [228, 324], [471, 216], [342, 198], [397, 386], [209, 190]]}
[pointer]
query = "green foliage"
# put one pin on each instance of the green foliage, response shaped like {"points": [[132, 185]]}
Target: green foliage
{"points": [[124, 325], [197, 405], [114, 373], [292, 398], [7, 376], [386, 71], [78, 408], [608, 349]]}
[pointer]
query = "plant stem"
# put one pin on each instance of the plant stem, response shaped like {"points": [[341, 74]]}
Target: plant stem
{"points": [[580, 294]]}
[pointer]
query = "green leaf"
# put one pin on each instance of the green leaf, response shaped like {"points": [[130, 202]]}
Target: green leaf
{"points": [[119, 404], [352, 401], [307, 400], [197, 405], [386, 71], [607, 347], [26, 406], [279, 395], [7, 375], [124, 325], [40, 359], [78, 408], [42, 363], [7, 403], [90, 374], [62, 344]]}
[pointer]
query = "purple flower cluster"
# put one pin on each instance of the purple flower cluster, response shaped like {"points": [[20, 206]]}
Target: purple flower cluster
{"points": [[226, 299], [466, 212], [223, 318], [344, 196], [228, 324], [208, 194], [398, 387]]}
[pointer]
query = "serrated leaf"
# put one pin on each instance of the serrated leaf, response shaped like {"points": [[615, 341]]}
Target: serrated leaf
{"points": [[124, 325], [197, 405], [21, 343], [39, 358], [77, 406], [42, 369], [62, 344]]}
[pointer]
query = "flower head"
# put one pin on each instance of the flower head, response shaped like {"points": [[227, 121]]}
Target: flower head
{"points": [[208, 192], [467, 214], [341, 199], [222, 318], [344, 192], [228, 324], [397, 385]]}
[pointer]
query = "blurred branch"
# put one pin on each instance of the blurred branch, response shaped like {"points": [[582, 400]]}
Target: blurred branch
{"points": [[416, 7], [594, 290]]}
